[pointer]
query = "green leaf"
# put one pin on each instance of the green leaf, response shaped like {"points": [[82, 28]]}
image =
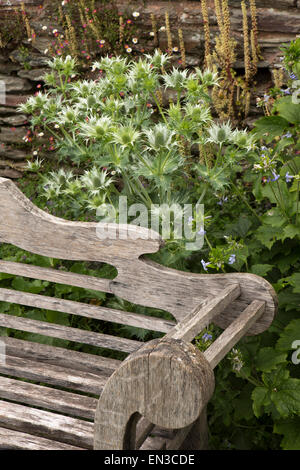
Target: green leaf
{"points": [[260, 397], [290, 334], [243, 406], [261, 269], [267, 235], [290, 429], [290, 231], [241, 227], [5, 276], [269, 127], [34, 287], [294, 280], [268, 358], [288, 110], [286, 397]]}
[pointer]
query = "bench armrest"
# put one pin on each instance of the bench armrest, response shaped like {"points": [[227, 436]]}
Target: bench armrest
{"points": [[167, 381]]}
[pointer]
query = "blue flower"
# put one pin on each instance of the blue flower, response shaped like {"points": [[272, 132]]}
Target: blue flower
{"points": [[232, 259], [287, 135], [293, 76], [201, 231], [206, 337], [204, 264], [288, 177], [276, 177]]}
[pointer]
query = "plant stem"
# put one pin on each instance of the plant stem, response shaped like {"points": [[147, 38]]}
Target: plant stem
{"points": [[159, 109], [245, 201]]}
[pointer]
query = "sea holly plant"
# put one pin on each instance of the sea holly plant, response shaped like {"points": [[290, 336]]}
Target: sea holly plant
{"points": [[125, 140]]}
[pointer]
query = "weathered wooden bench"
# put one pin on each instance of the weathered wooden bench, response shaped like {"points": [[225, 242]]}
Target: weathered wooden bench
{"points": [[156, 398]]}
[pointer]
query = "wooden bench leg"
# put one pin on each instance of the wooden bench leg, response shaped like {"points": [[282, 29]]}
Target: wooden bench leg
{"points": [[197, 439]]}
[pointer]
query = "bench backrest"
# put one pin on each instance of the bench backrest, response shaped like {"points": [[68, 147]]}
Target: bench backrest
{"points": [[139, 280]]}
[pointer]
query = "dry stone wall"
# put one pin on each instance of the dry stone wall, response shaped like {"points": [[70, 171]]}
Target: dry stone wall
{"points": [[278, 22]]}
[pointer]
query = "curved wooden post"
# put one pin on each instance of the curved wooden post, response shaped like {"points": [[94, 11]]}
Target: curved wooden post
{"points": [[167, 381]]}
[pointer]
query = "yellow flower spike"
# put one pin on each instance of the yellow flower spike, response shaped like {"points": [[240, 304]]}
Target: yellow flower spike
{"points": [[169, 34], [182, 47]]}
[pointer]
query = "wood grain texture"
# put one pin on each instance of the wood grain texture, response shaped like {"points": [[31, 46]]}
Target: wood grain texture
{"points": [[139, 280], [46, 424], [48, 398], [85, 310], [193, 323], [55, 275], [69, 333], [99, 365], [233, 333], [167, 381], [54, 375], [16, 440]]}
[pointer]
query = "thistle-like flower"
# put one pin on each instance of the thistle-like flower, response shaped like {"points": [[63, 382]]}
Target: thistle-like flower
{"points": [[160, 137], [96, 181], [68, 115], [198, 113], [96, 128], [158, 60], [207, 77], [125, 136], [219, 134], [243, 139], [34, 166], [34, 103], [176, 79]]}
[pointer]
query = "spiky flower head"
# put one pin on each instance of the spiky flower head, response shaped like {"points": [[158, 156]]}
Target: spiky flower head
{"points": [[160, 137], [219, 134], [125, 136], [96, 128], [96, 181]]}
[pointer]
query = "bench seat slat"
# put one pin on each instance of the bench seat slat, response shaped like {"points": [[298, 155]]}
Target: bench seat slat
{"points": [[54, 275], [85, 310], [16, 440], [69, 333], [46, 424], [55, 375], [47, 397], [60, 356]]}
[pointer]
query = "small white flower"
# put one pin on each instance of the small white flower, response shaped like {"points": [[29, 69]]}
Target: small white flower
{"points": [[46, 51], [44, 28], [56, 126], [128, 49], [175, 49], [41, 134], [134, 40], [54, 31], [135, 14], [151, 33], [34, 153], [102, 41], [162, 28], [30, 39]]}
